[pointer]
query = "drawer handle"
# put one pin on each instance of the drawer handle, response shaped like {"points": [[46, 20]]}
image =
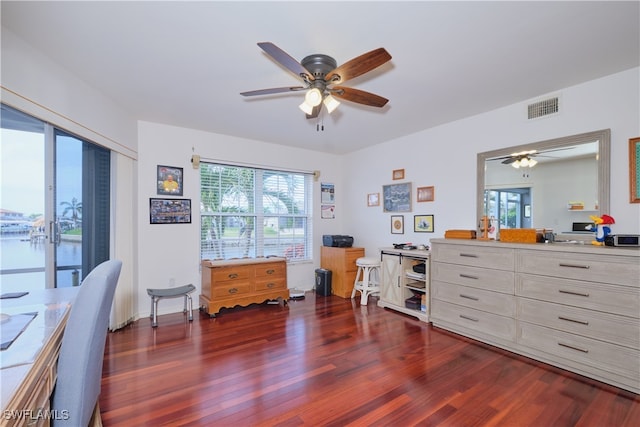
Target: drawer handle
{"points": [[233, 276], [270, 285], [469, 255], [468, 276], [469, 297], [233, 291], [469, 318], [582, 322], [580, 294], [573, 347], [585, 267], [271, 271]]}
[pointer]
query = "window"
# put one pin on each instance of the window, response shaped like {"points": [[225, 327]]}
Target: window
{"points": [[252, 212]]}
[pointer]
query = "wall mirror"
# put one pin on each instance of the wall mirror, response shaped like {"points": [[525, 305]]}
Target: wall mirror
{"points": [[558, 184]]}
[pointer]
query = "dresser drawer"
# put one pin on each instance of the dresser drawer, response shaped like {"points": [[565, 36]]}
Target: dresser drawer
{"points": [[476, 277], [480, 321], [595, 296], [602, 326], [478, 299], [274, 269], [478, 256], [231, 273], [591, 267], [586, 351], [229, 290], [269, 284]]}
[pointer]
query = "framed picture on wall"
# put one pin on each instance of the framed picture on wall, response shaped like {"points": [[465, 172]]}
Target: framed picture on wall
{"points": [[397, 224], [423, 223], [169, 180], [398, 174], [396, 197], [170, 211], [426, 194], [373, 199], [634, 170]]}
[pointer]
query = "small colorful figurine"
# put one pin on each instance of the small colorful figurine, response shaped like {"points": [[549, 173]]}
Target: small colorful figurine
{"points": [[601, 228]]}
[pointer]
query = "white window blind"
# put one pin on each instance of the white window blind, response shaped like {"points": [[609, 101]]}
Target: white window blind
{"points": [[253, 212]]}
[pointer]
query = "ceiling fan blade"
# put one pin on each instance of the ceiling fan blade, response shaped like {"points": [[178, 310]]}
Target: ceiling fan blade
{"points": [[509, 160], [358, 96], [315, 112], [272, 90], [286, 60], [358, 66]]}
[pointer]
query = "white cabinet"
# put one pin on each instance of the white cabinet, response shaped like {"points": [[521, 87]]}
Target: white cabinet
{"points": [[405, 274], [573, 306]]}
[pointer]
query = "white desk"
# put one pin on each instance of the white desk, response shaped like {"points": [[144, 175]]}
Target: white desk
{"points": [[28, 366]]}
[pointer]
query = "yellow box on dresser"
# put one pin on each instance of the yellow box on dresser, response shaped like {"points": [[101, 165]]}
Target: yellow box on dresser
{"points": [[228, 283]]}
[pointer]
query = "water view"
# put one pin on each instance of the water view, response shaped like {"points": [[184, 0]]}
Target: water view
{"points": [[22, 262]]}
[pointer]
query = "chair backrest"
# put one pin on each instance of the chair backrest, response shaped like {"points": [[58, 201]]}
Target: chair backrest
{"points": [[82, 349]]}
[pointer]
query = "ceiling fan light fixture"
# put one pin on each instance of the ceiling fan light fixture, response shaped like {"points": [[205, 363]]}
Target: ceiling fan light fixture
{"points": [[516, 164], [532, 162], [313, 97], [331, 103], [306, 108]]}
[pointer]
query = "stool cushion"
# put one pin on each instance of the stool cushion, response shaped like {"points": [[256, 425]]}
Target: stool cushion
{"points": [[171, 292], [367, 262]]}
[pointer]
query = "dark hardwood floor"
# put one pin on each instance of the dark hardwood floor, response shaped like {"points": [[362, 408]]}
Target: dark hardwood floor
{"points": [[329, 361]]}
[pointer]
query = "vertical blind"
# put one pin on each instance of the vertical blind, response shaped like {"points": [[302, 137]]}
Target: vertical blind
{"points": [[251, 212]]}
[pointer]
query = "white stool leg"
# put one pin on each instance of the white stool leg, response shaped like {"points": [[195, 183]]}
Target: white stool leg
{"points": [[364, 293], [355, 284]]}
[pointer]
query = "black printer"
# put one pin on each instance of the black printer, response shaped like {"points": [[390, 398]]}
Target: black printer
{"points": [[337, 241]]}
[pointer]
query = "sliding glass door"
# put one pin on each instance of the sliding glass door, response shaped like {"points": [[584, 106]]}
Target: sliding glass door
{"points": [[54, 205]]}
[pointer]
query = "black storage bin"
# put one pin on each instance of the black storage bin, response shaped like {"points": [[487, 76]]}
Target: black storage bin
{"points": [[323, 282]]}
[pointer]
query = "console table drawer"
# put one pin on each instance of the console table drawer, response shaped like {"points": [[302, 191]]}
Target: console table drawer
{"points": [[585, 351], [595, 296], [602, 326], [594, 268], [480, 321], [476, 277], [495, 258], [478, 299]]}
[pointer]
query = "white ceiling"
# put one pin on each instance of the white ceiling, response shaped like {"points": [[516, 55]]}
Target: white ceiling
{"points": [[185, 63]]}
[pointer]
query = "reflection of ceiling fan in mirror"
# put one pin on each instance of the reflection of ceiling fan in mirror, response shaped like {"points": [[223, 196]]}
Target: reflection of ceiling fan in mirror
{"points": [[526, 158], [323, 78]]}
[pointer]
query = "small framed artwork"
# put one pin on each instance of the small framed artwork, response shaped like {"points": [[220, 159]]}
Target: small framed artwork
{"points": [[423, 223], [426, 194], [398, 174], [170, 211], [397, 224], [634, 170], [169, 181], [373, 199], [396, 197]]}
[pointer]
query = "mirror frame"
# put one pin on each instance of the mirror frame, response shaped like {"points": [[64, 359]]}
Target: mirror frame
{"points": [[604, 154]]}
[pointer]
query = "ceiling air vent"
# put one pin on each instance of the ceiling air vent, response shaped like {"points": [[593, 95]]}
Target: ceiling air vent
{"points": [[543, 108]]}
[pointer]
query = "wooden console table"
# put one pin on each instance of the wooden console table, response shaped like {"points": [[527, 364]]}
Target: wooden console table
{"points": [[28, 366], [228, 283]]}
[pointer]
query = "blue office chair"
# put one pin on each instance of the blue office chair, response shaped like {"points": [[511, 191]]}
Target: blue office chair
{"points": [[75, 396]]}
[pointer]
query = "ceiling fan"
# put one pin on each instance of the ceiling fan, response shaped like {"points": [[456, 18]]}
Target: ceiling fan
{"points": [[323, 79], [525, 158]]}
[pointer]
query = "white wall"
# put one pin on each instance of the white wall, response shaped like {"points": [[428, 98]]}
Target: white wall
{"points": [[445, 157], [170, 254]]}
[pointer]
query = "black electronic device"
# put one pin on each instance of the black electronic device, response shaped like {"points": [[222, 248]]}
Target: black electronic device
{"points": [[337, 241], [632, 240]]}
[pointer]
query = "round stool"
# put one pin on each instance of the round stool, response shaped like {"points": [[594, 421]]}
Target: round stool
{"points": [[367, 279]]}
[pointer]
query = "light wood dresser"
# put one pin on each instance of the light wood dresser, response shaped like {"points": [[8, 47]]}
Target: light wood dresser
{"points": [[228, 283], [573, 306], [342, 263]]}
